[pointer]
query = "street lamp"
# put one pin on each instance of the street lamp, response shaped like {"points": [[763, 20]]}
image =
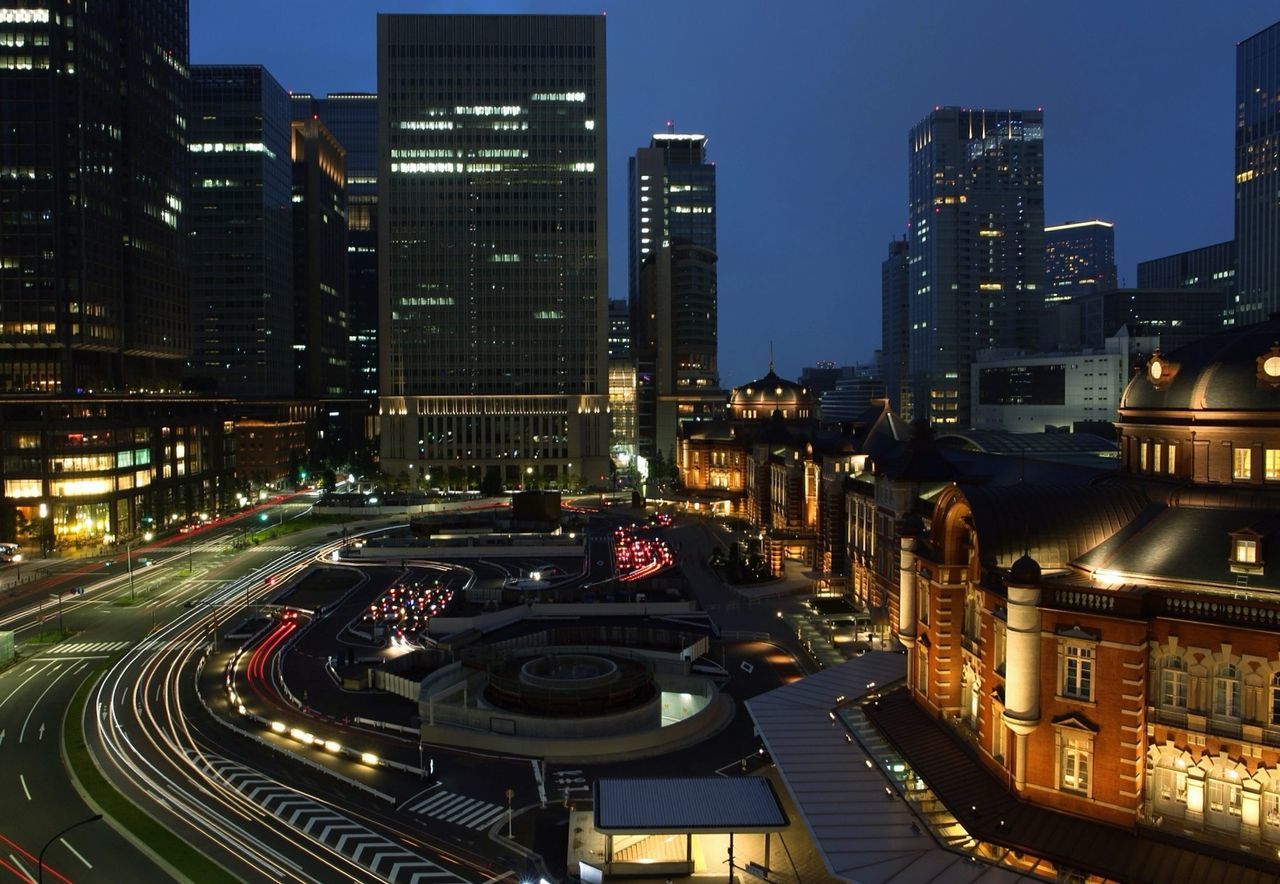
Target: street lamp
{"points": [[40, 860], [44, 530], [128, 557]]}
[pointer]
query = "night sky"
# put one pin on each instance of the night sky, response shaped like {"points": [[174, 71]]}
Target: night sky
{"points": [[807, 106]]}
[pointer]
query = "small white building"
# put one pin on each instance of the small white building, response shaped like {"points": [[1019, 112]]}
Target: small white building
{"points": [[1031, 392]]}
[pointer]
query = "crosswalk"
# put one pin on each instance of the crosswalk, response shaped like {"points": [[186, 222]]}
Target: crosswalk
{"points": [[450, 807], [369, 849], [87, 647]]}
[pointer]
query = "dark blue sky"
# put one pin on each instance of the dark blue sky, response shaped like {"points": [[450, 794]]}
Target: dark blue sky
{"points": [[807, 105]]}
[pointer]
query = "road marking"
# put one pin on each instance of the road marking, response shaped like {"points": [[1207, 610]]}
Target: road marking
{"points": [[23, 778], [23, 869], [450, 807], [88, 647], [76, 853]]}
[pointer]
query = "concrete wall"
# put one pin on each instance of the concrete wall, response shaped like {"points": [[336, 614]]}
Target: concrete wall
{"points": [[488, 622]]}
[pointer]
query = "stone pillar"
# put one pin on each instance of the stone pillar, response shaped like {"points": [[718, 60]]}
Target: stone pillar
{"points": [[1250, 812], [1195, 796], [1022, 660]]}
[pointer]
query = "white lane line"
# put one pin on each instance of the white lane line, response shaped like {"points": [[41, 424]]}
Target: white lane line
{"points": [[21, 868], [76, 853], [24, 786], [23, 684], [32, 710]]}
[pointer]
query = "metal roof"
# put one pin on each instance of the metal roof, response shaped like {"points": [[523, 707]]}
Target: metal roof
{"points": [[645, 806], [860, 834]]}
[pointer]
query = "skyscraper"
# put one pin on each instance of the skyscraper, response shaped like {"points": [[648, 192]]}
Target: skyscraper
{"points": [[976, 247], [622, 385], [93, 280], [1079, 257], [352, 117], [672, 196], [492, 247], [894, 327], [98, 442], [242, 257], [320, 344], [1257, 176]]}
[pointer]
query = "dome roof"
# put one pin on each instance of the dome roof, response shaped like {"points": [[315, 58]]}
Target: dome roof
{"points": [[770, 392], [1025, 571], [1233, 370]]}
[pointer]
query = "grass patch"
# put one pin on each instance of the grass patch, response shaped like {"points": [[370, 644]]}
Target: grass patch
{"points": [[292, 526], [48, 637], [182, 856]]}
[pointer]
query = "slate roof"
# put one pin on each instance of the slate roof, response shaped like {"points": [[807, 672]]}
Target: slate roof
{"points": [[687, 804], [1055, 524], [1004, 442], [1219, 371], [1189, 544]]}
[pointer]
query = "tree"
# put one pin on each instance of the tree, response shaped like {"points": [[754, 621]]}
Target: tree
{"points": [[491, 485]]}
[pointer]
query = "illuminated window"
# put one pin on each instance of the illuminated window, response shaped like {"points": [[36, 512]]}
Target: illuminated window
{"points": [[1076, 663], [1271, 467], [1172, 459], [1245, 551], [1075, 760], [1142, 456], [1226, 692], [1173, 684], [1242, 463]]}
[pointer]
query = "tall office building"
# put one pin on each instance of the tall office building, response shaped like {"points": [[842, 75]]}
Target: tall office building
{"points": [[242, 220], [93, 281], [1257, 292], [492, 248], [672, 196], [894, 327], [320, 345], [1208, 267], [97, 440], [352, 117], [976, 248], [1079, 257]]}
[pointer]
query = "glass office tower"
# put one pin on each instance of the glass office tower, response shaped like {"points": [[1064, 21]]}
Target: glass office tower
{"points": [[492, 248], [1258, 176], [975, 248]]}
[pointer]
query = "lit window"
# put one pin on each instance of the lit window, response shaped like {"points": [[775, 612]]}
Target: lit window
{"points": [[1172, 459], [1173, 683], [1224, 794], [1156, 450], [1077, 671], [1075, 760], [1272, 465], [1226, 692], [1142, 456], [1245, 551], [1242, 463]]}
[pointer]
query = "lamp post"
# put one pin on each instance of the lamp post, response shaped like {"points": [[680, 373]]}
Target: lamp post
{"points": [[40, 860], [44, 530], [128, 557]]}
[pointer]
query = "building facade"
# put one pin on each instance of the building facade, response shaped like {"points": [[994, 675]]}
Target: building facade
{"points": [[97, 443], [895, 326], [674, 302], [94, 285], [242, 224], [975, 252], [1108, 649], [352, 118], [321, 315], [492, 247], [622, 387], [1257, 289], [1079, 257], [1208, 267]]}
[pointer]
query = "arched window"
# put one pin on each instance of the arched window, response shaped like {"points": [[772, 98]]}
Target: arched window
{"points": [[1170, 788], [1226, 692], [1222, 798], [1173, 683]]}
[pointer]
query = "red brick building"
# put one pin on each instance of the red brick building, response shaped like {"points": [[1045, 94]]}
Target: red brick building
{"points": [[1111, 649]]}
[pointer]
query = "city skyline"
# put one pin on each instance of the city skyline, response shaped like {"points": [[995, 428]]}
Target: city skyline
{"points": [[1119, 147]]}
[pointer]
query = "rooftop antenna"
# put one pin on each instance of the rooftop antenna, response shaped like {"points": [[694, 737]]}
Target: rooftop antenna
{"points": [[770, 356], [671, 127]]}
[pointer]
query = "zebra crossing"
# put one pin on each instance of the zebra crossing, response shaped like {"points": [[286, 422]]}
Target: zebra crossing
{"points": [[360, 844], [450, 807], [87, 647]]}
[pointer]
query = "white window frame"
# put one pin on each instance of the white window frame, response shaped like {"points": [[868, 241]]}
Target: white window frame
{"points": [[1242, 463], [1082, 653], [1173, 673], [1075, 761], [1226, 692]]}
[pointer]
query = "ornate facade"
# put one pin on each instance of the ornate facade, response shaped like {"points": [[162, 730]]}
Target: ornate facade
{"points": [[1112, 648]]}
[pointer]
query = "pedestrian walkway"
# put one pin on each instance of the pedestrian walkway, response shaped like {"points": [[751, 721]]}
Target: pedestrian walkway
{"points": [[86, 647], [450, 807]]}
